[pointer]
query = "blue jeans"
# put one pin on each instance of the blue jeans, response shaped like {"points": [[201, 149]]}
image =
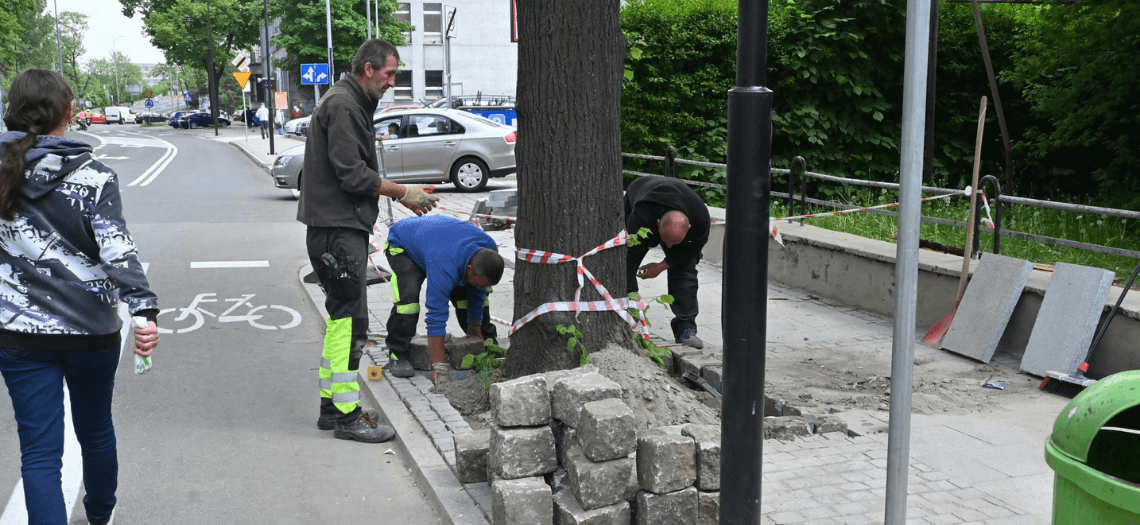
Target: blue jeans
{"points": [[35, 383]]}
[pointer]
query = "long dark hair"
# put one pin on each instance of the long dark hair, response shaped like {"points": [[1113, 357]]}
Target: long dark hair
{"points": [[38, 103]]}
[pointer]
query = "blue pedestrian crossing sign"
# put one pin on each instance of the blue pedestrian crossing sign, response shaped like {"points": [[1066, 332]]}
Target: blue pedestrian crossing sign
{"points": [[312, 74]]}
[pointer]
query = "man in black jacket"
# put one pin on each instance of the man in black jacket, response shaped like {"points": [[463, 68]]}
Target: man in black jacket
{"points": [[340, 201], [678, 221]]}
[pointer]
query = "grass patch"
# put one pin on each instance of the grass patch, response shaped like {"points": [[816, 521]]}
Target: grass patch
{"points": [[1074, 226]]}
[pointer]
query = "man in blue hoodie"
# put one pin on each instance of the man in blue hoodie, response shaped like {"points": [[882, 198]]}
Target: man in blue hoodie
{"points": [[460, 263]]}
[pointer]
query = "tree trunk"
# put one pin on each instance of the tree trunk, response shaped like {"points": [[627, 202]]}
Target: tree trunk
{"points": [[569, 171]]}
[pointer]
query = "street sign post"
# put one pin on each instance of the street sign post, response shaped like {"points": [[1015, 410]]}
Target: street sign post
{"points": [[314, 75]]}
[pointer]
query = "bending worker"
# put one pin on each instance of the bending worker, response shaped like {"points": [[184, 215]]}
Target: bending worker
{"points": [[678, 221], [460, 263], [340, 201]]}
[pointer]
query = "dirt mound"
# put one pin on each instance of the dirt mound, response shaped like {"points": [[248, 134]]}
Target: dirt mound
{"points": [[656, 399], [467, 396]]}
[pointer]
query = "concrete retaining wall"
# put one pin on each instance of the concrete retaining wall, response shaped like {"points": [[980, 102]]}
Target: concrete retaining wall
{"points": [[860, 272]]}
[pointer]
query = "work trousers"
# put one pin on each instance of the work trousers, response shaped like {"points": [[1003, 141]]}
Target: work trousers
{"points": [[340, 258], [407, 281], [35, 382], [682, 286]]}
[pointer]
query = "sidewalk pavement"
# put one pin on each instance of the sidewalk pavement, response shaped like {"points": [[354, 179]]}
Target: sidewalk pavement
{"points": [[964, 468]]}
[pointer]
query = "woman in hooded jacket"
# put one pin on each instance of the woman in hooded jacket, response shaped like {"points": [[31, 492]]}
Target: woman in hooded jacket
{"points": [[66, 262]]}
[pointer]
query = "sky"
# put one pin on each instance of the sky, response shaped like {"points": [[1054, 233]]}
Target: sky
{"points": [[105, 21]]}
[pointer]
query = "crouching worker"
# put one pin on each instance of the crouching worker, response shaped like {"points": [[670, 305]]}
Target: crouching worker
{"points": [[460, 263]]}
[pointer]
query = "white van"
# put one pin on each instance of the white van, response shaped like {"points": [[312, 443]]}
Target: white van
{"points": [[118, 114]]}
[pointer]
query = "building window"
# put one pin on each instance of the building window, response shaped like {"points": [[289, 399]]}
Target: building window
{"points": [[403, 13], [433, 23], [403, 89], [433, 85]]}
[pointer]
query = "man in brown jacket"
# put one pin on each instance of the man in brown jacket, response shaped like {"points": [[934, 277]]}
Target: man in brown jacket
{"points": [[340, 201]]}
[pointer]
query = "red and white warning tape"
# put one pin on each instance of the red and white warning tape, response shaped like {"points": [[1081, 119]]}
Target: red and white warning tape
{"points": [[608, 302], [775, 232]]}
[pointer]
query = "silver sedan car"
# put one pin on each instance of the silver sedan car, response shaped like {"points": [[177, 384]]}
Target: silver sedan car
{"points": [[427, 146]]}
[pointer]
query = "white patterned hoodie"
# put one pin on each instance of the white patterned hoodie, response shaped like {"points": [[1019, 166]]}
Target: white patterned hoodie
{"points": [[67, 260]]}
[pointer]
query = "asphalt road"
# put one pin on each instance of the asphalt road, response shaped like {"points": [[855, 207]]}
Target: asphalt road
{"points": [[223, 428]]}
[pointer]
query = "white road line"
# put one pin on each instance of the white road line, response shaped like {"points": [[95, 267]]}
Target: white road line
{"points": [[229, 264], [151, 173]]}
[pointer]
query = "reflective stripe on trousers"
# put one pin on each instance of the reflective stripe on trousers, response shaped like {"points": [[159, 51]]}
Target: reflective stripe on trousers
{"points": [[337, 382]]}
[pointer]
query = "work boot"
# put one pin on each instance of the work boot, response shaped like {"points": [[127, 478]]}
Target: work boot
{"points": [[689, 338], [441, 373], [328, 423], [364, 429], [401, 368]]}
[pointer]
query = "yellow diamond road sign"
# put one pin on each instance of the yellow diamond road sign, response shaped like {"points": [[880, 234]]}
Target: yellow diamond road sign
{"points": [[241, 78]]}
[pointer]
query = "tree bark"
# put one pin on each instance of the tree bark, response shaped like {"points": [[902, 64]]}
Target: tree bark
{"points": [[569, 171]]}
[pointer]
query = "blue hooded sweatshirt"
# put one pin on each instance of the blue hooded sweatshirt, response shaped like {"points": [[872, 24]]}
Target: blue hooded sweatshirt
{"points": [[67, 259], [442, 247]]}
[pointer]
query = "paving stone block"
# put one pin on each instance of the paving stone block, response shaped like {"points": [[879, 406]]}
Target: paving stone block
{"points": [[1067, 320], [606, 430], [572, 392], [666, 463], [554, 375], [522, 402], [707, 438], [708, 508], [471, 455], [674, 508], [522, 452], [565, 441], [830, 423], [987, 305], [567, 511], [785, 428], [461, 347], [525, 501], [713, 374], [695, 363], [680, 352], [598, 483], [418, 353]]}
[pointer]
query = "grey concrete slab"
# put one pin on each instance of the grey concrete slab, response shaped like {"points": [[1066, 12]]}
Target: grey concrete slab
{"points": [[990, 297], [1067, 320]]}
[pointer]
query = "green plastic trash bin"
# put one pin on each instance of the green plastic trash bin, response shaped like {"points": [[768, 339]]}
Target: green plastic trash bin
{"points": [[1095, 452]]}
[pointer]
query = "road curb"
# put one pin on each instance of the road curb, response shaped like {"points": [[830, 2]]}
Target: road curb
{"points": [[252, 156], [450, 499]]}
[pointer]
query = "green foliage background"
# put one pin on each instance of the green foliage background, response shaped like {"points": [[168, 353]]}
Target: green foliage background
{"points": [[1068, 78]]}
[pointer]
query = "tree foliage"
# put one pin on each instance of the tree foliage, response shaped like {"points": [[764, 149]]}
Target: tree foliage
{"points": [[225, 26], [14, 19], [304, 34], [1078, 65], [1067, 75]]}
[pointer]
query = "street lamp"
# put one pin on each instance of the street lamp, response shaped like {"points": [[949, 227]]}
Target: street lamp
{"points": [[115, 64]]}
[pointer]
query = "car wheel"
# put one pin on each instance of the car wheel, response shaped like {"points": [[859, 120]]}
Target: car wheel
{"points": [[470, 175], [297, 191], [193, 125]]}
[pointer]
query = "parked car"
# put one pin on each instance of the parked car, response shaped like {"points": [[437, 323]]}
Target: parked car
{"points": [[96, 117], [430, 146], [200, 119], [176, 118], [150, 116], [293, 126]]}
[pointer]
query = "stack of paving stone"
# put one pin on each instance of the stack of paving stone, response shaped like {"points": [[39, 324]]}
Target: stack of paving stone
{"points": [[521, 451], [678, 471], [502, 203]]}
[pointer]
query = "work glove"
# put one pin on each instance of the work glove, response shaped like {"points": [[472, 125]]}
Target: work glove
{"points": [[418, 200]]}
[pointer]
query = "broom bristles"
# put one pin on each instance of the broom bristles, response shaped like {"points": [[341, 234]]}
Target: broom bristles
{"points": [[1064, 384]]}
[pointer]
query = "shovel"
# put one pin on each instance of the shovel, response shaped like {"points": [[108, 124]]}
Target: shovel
{"points": [[938, 331]]}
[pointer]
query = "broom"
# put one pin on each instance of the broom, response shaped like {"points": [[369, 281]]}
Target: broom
{"points": [[1068, 385], [938, 331]]}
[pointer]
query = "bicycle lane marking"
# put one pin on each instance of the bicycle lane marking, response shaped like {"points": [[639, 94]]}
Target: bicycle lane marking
{"points": [[199, 312]]}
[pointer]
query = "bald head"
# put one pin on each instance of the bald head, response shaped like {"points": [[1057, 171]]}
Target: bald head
{"points": [[673, 226]]}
